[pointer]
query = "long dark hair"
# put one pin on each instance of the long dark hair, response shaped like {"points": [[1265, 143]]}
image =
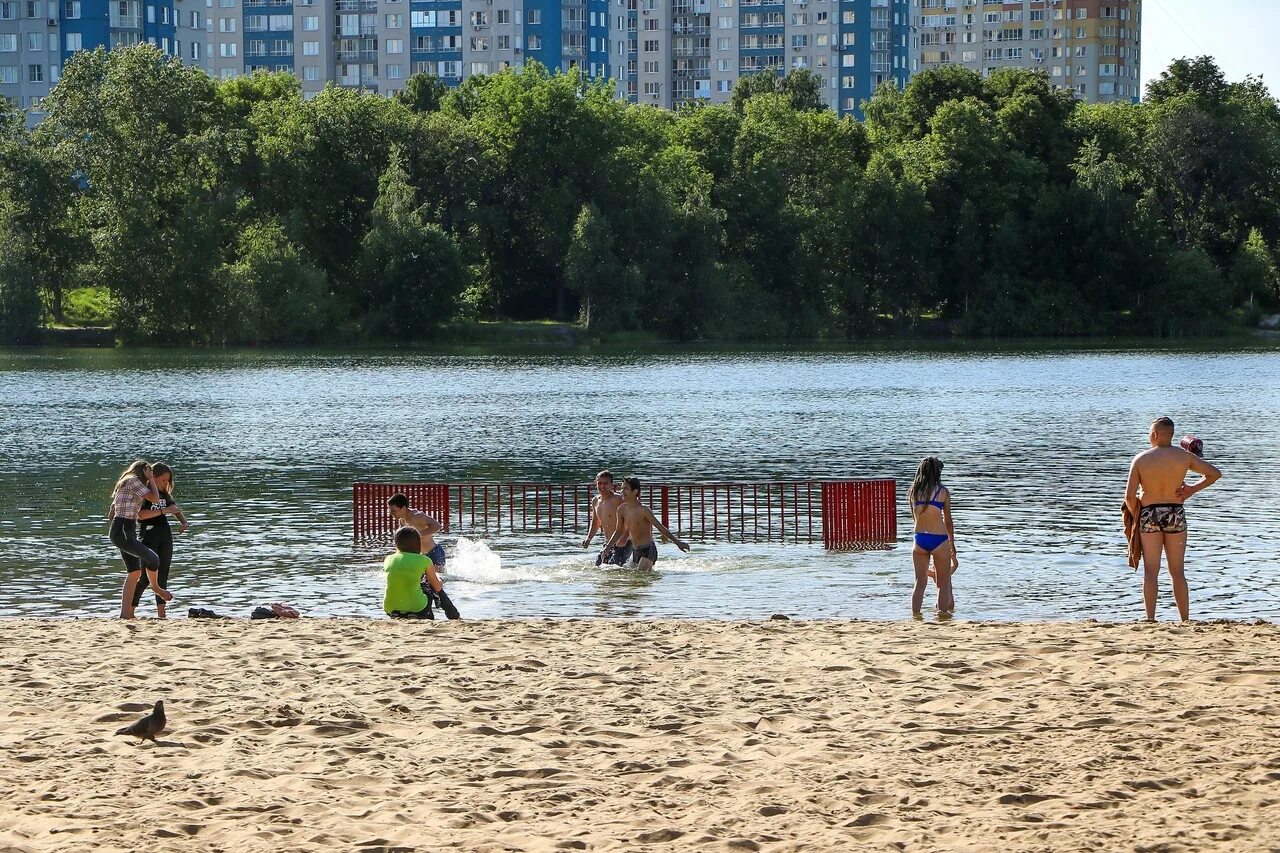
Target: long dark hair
{"points": [[928, 480]]}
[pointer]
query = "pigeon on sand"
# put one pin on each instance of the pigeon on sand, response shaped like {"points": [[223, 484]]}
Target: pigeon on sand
{"points": [[148, 727]]}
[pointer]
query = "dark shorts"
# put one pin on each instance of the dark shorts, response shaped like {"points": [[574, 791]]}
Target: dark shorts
{"points": [[436, 555], [424, 613], [615, 556], [642, 552], [1162, 518]]}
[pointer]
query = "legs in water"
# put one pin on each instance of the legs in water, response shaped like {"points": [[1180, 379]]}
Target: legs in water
{"points": [[920, 559], [942, 577]]}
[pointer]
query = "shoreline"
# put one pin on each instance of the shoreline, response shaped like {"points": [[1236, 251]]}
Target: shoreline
{"points": [[603, 734]]}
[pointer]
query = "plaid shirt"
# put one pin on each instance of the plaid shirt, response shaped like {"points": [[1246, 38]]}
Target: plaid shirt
{"points": [[127, 500]]}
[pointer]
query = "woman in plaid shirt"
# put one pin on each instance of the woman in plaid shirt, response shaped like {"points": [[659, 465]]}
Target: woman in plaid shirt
{"points": [[136, 484]]}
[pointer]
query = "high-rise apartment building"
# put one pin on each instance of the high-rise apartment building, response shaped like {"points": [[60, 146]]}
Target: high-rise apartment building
{"points": [[1091, 47], [37, 37], [670, 52]]}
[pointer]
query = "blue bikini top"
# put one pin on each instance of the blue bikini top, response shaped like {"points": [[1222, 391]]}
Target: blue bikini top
{"points": [[934, 502]]}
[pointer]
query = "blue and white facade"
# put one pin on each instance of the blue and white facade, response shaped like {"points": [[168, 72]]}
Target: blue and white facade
{"points": [[38, 37]]}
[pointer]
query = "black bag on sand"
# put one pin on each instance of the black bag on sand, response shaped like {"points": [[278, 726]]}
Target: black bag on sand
{"points": [[203, 613], [263, 613]]}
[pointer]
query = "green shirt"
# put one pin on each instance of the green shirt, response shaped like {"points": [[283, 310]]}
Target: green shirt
{"points": [[404, 577]]}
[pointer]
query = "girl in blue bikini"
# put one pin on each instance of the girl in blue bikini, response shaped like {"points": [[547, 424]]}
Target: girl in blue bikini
{"points": [[935, 535]]}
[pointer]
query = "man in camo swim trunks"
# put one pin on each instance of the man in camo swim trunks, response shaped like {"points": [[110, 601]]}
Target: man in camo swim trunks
{"points": [[1155, 494]]}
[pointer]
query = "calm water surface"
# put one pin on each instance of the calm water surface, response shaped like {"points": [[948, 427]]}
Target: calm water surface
{"points": [[267, 444]]}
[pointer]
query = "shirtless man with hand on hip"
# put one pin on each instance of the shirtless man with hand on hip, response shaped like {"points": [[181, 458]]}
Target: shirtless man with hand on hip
{"points": [[1155, 494]]}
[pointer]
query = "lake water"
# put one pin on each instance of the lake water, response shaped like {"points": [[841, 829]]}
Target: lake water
{"points": [[266, 446]]}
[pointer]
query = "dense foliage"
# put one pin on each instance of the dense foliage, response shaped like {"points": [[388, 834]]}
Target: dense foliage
{"points": [[236, 211]]}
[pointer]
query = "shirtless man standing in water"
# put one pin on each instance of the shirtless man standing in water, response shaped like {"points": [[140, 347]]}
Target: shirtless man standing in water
{"points": [[1159, 474], [604, 517], [636, 520]]}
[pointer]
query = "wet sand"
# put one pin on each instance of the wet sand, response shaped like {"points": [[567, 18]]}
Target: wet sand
{"points": [[603, 735]]}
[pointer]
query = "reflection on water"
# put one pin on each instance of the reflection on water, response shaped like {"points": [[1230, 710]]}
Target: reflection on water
{"points": [[266, 445]]}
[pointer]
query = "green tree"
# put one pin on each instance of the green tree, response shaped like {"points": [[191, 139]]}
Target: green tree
{"points": [[1254, 273], [410, 271], [19, 283], [801, 87], [423, 93], [281, 296], [593, 272]]}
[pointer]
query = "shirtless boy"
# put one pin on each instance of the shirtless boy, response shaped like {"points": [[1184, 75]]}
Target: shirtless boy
{"points": [[1158, 474], [604, 517], [636, 521]]}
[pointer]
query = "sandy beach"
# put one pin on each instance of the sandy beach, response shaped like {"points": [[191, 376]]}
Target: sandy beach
{"points": [[603, 735]]}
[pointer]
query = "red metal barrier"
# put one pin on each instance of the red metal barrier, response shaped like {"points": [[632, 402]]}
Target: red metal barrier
{"points": [[850, 513]]}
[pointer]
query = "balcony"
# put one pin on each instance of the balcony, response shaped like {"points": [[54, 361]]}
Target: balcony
{"points": [[573, 52], [126, 22], [574, 26]]}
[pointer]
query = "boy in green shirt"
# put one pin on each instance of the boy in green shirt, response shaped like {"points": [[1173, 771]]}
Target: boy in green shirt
{"points": [[405, 597]]}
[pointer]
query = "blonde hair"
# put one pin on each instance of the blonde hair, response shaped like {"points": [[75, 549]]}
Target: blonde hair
{"points": [[133, 472]]}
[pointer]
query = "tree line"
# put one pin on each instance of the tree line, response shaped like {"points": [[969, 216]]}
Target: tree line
{"points": [[236, 211]]}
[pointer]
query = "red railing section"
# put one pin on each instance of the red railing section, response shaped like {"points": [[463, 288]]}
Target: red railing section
{"points": [[845, 514]]}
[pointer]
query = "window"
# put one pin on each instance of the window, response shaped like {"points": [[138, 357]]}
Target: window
{"points": [[9, 42], [651, 24], [395, 45], [651, 88], [479, 68], [227, 73], [311, 48], [254, 23], [651, 66], [394, 72], [478, 43], [535, 42], [724, 22], [227, 50], [724, 65], [310, 23], [71, 9], [35, 73], [534, 16], [226, 4], [479, 19], [35, 41], [195, 20], [422, 19], [504, 42], [1082, 13], [8, 74], [310, 73], [281, 23], [226, 25], [164, 14], [504, 16], [394, 22], [722, 44], [151, 14], [74, 42], [651, 46]]}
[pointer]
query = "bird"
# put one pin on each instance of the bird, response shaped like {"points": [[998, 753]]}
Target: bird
{"points": [[148, 727]]}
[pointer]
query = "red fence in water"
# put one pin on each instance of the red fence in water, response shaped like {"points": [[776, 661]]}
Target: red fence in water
{"points": [[843, 514]]}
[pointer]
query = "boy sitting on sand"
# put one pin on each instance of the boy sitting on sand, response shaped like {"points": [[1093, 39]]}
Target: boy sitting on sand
{"points": [[405, 597]]}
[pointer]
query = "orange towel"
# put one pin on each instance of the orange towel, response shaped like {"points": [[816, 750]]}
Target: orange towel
{"points": [[1131, 533]]}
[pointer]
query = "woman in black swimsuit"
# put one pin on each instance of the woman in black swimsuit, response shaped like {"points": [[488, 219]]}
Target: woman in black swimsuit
{"points": [[156, 534]]}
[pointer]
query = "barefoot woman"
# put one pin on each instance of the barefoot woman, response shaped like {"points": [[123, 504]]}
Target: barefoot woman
{"points": [[935, 535], [136, 484]]}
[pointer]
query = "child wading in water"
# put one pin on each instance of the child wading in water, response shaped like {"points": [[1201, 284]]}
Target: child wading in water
{"points": [[136, 484], [935, 536]]}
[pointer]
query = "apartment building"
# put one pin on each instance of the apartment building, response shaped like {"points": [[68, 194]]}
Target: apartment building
{"points": [[1091, 47], [37, 37], [670, 52]]}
